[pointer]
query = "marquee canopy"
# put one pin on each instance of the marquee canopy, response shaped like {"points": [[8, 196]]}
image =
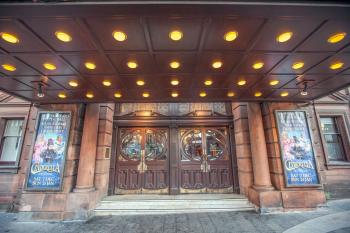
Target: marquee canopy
{"points": [[173, 51]]}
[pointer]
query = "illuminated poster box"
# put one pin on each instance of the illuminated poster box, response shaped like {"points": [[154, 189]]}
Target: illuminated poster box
{"points": [[49, 151]]}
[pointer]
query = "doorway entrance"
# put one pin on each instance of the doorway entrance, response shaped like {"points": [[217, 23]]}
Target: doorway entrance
{"points": [[205, 165]]}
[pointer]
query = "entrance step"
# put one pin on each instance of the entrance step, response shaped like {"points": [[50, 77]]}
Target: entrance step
{"points": [[171, 204]]}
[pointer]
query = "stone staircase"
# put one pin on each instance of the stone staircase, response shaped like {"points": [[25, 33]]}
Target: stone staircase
{"points": [[171, 204]]}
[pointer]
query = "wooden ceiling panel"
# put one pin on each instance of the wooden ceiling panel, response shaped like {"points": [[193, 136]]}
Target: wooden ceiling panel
{"points": [[37, 61], [103, 29], [334, 82], [145, 64], [161, 27], [27, 42], [228, 62], [318, 41], [312, 80], [100, 61], [268, 60], [309, 60], [21, 68], [300, 28], [246, 28], [324, 67], [187, 62], [11, 84], [47, 27]]}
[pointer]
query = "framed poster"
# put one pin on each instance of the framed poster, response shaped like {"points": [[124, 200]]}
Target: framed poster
{"points": [[297, 154], [49, 151]]}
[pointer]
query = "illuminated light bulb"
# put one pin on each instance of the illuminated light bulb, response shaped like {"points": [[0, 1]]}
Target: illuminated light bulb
{"points": [[257, 94], [119, 36], [202, 94], [335, 38], [258, 65], [145, 94], [208, 82], [231, 94], [62, 36], [117, 95], [176, 35], [73, 83], [274, 82], [174, 64], [175, 82], [62, 95], [241, 82], [140, 82], [106, 83], [298, 65], [174, 94], [9, 67], [90, 65], [89, 95], [49, 66], [231, 36], [336, 65], [284, 37], [284, 94], [132, 64], [217, 64], [9, 38]]}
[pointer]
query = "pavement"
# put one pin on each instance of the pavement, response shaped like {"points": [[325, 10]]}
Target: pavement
{"points": [[334, 218]]}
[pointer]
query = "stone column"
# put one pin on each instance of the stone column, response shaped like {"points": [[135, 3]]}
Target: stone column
{"points": [[262, 179], [87, 158]]}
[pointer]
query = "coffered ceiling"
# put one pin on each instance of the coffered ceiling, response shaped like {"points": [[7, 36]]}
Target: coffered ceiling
{"points": [[144, 34]]}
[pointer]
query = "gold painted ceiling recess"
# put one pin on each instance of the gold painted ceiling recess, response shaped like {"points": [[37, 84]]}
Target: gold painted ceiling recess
{"points": [[10, 38], [9, 67], [62, 36], [176, 35], [119, 36], [337, 37], [284, 37]]}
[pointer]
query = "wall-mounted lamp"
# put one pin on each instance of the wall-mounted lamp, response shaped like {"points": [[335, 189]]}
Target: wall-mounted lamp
{"points": [[304, 90]]}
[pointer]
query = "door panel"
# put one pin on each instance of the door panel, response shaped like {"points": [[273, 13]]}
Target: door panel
{"points": [[142, 161], [205, 164]]}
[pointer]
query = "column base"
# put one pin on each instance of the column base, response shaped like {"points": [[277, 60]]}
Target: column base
{"points": [[83, 190], [266, 199]]}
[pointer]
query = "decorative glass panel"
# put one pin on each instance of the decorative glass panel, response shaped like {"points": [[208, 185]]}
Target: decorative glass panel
{"points": [[215, 141], [131, 145], [155, 145], [191, 145], [328, 125], [11, 140]]}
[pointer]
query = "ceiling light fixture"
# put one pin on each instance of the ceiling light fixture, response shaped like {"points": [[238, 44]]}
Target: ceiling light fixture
{"points": [[174, 94], [284, 94], [89, 95], [90, 65], [337, 37], [62, 36], [174, 64], [304, 90], [119, 36], [9, 38], [9, 67], [230, 94], [106, 83], [62, 95], [40, 93], [49, 66], [258, 65], [336, 65], [257, 94], [208, 82], [231, 36], [132, 64], [241, 82], [284, 37], [176, 35], [140, 82], [217, 64], [202, 94], [117, 95], [175, 82], [298, 65], [274, 82], [145, 94], [73, 83]]}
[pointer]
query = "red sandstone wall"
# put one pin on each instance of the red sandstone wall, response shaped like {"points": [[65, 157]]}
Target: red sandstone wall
{"points": [[242, 141]]}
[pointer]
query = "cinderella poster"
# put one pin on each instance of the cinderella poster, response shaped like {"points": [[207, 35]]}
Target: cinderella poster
{"points": [[49, 151], [296, 149]]}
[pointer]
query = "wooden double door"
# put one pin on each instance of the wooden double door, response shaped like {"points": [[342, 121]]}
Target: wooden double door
{"points": [[202, 160]]}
